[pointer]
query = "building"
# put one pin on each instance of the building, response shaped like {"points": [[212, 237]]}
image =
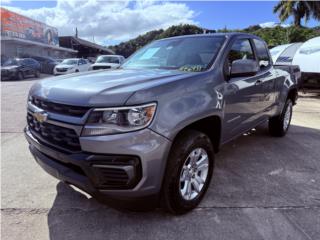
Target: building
{"points": [[84, 48], [22, 36]]}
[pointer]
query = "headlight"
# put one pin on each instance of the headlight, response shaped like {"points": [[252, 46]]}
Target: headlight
{"points": [[119, 120]]}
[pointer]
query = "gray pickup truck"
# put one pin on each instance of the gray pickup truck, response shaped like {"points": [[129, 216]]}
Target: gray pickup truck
{"points": [[146, 134]]}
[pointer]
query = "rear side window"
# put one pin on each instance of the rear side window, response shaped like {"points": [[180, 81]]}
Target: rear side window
{"points": [[241, 49], [27, 62], [32, 61], [262, 53]]}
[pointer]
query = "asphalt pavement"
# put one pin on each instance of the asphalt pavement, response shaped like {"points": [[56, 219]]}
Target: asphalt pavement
{"points": [[263, 188]]}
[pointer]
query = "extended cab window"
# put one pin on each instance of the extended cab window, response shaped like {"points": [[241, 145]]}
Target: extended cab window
{"points": [[262, 53]]}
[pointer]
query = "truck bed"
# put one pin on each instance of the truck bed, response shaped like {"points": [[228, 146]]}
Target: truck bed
{"points": [[294, 71]]}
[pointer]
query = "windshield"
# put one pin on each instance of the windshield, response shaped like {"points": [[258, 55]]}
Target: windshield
{"points": [[107, 59], [12, 62], [186, 54], [70, 61]]}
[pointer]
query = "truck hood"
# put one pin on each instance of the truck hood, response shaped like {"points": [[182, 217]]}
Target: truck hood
{"points": [[66, 65], [9, 67], [106, 64], [102, 88]]}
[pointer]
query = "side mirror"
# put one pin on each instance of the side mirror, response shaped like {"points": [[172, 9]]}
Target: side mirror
{"points": [[243, 68]]}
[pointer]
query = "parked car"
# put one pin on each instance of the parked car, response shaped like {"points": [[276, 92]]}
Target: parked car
{"points": [[71, 65], [150, 130], [20, 68], [47, 64], [107, 62], [58, 60]]}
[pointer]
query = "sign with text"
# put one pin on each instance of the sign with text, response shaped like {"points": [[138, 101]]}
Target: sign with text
{"points": [[18, 26]]}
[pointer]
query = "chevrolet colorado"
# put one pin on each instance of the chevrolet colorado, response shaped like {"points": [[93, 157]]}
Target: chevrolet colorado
{"points": [[148, 131]]}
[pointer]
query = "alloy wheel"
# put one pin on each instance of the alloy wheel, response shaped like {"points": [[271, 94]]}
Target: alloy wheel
{"points": [[194, 174]]}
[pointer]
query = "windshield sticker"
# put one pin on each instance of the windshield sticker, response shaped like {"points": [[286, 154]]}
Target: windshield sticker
{"points": [[149, 53]]}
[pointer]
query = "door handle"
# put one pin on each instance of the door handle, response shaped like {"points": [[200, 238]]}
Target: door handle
{"points": [[258, 82]]}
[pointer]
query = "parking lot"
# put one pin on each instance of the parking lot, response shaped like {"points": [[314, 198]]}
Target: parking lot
{"points": [[263, 188]]}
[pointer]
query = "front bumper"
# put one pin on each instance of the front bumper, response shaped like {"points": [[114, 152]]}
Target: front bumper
{"points": [[79, 169], [55, 72], [8, 74]]}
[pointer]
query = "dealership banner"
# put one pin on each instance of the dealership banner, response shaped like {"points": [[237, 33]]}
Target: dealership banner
{"points": [[18, 26]]}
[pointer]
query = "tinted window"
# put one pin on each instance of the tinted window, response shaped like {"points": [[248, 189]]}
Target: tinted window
{"points": [[262, 53], [70, 61], [12, 62], [31, 61], [26, 62], [241, 49], [107, 59]]}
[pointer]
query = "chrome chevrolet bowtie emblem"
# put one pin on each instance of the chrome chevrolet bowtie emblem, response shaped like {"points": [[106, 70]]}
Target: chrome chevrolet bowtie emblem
{"points": [[40, 116]]}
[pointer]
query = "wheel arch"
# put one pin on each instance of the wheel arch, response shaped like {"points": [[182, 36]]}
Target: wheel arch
{"points": [[211, 126], [293, 95]]}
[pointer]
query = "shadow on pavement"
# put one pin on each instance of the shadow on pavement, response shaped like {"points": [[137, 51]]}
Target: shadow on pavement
{"points": [[42, 76], [263, 188]]}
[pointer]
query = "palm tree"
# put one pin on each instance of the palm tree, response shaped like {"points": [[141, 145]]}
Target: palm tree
{"points": [[298, 9]]}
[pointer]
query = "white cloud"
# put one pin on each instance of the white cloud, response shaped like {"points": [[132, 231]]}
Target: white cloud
{"points": [[111, 20], [273, 24]]}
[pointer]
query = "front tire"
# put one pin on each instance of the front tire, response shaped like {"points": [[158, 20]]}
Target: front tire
{"points": [[189, 171], [279, 125]]}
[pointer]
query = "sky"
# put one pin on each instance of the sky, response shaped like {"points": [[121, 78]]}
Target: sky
{"points": [[110, 22]]}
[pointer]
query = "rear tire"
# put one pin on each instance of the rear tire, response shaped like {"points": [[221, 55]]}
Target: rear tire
{"points": [[279, 125], [20, 76], [37, 74], [185, 185]]}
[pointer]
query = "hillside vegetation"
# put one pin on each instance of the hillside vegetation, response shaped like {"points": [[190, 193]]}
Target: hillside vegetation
{"points": [[273, 36]]}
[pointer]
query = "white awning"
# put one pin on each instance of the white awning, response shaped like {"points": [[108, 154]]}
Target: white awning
{"points": [[38, 44]]}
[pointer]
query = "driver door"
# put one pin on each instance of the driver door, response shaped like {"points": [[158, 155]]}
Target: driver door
{"points": [[83, 65], [241, 93]]}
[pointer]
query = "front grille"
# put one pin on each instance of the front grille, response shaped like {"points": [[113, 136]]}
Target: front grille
{"points": [[58, 136], [69, 110], [4, 73], [62, 69], [101, 67]]}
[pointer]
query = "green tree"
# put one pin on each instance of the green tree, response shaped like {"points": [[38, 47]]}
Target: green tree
{"points": [[297, 9], [129, 47], [273, 36]]}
